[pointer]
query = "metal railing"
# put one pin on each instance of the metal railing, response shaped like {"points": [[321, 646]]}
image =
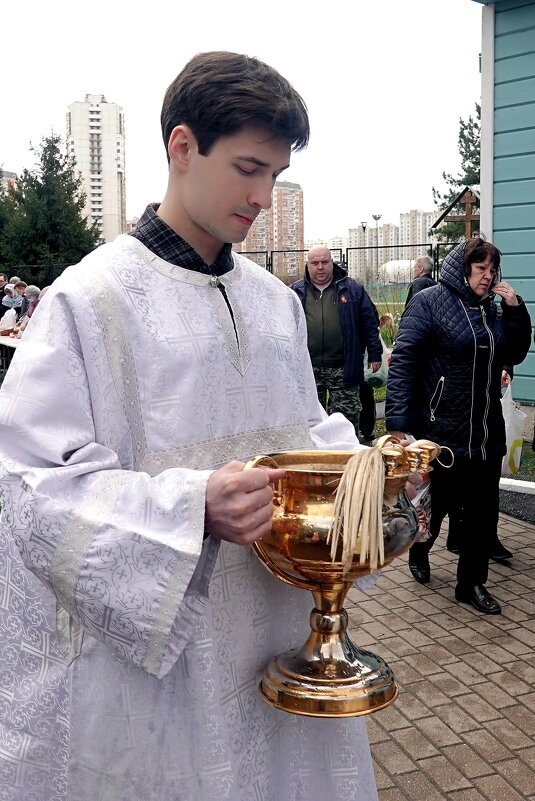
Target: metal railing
{"points": [[289, 265]]}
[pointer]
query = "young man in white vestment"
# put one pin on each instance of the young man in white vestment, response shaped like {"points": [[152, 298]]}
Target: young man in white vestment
{"points": [[135, 619]]}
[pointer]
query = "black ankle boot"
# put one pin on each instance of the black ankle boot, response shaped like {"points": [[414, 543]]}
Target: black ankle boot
{"points": [[499, 552], [478, 596], [419, 568]]}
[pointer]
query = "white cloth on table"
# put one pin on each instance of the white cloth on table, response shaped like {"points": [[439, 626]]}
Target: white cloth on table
{"points": [[131, 648]]}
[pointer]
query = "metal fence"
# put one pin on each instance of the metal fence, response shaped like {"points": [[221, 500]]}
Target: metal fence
{"points": [[367, 264], [377, 267]]}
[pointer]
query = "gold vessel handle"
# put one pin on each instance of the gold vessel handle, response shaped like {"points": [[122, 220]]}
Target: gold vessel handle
{"points": [[275, 570], [382, 441], [261, 461]]}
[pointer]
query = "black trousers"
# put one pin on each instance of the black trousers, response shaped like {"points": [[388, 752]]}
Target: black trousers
{"points": [[367, 412], [472, 487]]}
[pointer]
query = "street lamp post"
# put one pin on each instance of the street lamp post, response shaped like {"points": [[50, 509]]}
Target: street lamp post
{"points": [[364, 225], [377, 217]]}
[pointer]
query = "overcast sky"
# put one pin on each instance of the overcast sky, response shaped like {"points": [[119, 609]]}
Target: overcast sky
{"points": [[385, 83]]}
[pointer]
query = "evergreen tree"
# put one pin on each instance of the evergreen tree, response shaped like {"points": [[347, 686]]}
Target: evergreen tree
{"points": [[43, 222], [469, 151], [4, 216]]}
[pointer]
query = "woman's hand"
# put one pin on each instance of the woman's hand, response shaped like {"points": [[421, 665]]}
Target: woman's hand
{"points": [[506, 378], [505, 291]]}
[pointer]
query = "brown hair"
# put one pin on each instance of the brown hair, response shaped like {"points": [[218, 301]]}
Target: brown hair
{"points": [[217, 93], [477, 249]]}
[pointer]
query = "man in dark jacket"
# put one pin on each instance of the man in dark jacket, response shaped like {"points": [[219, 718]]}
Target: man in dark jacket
{"points": [[341, 325], [444, 385], [422, 273]]}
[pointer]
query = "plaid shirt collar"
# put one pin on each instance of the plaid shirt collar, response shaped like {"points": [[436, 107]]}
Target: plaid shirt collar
{"points": [[165, 243]]}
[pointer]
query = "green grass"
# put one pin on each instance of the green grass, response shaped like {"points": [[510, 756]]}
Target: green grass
{"points": [[380, 394], [527, 464]]}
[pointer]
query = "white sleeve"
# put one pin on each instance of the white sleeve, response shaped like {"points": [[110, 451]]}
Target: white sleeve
{"points": [[118, 547]]}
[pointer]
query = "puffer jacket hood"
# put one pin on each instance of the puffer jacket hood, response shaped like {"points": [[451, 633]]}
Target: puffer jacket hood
{"points": [[453, 275]]}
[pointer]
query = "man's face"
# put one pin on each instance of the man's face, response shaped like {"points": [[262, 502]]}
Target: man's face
{"points": [[320, 266], [20, 290], [223, 192], [481, 277], [416, 270]]}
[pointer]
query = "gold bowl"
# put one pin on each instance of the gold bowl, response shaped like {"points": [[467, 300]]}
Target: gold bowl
{"points": [[329, 676]]}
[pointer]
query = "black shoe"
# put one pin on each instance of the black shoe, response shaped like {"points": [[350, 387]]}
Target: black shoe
{"points": [[480, 599], [421, 571], [499, 552]]}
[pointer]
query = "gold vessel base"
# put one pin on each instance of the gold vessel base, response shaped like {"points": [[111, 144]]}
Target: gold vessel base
{"points": [[357, 684]]}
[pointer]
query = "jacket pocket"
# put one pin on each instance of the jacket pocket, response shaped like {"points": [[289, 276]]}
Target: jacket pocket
{"points": [[435, 398]]}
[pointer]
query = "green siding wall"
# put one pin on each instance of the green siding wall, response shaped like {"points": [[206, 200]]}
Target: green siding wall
{"points": [[514, 159]]}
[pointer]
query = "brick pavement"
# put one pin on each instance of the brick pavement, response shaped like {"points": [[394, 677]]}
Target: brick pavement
{"points": [[463, 726]]}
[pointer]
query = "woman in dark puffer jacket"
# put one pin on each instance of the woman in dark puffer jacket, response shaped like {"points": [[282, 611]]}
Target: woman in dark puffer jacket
{"points": [[444, 384]]}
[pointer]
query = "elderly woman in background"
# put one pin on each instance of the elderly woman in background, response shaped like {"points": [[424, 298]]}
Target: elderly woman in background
{"points": [[32, 294], [444, 384], [10, 298]]}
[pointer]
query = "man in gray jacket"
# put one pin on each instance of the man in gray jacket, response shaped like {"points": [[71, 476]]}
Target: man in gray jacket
{"points": [[422, 270]]}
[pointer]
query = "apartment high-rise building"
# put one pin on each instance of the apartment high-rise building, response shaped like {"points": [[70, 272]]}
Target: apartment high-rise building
{"points": [[95, 136], [359, 259], [279, 228], [414, 231], [9, 180], [288, 230]]}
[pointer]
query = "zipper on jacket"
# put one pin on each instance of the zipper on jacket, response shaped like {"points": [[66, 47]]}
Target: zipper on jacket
{"points": [[322, 329], [487, 393], [438, 391]]}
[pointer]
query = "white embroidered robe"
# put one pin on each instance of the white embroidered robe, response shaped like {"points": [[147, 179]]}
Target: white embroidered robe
{"points": [[130, 649]]}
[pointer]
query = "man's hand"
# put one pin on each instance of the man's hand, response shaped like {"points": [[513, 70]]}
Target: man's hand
{"points": [[239, 502], [374, 366]]}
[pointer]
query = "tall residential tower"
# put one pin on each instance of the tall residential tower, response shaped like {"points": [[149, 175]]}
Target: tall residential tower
{"points": [[95, 136], [279, 228]]}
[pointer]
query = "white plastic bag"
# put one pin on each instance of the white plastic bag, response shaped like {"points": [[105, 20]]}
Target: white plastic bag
{"points": [[379, 378], [514, 429]]}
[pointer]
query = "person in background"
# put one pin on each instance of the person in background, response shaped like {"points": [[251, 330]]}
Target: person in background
{"points": [[32, 294], [3, 282], [342, 323], [138, 616], [20, 288], [444, 384], [422, 273], [8, 299], [31, 297]]}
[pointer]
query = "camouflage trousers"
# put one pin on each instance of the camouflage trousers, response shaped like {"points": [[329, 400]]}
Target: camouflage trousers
{"points": [[334, 397]]}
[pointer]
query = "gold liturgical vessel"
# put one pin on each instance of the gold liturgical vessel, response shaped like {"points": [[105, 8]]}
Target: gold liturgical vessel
{"points": [[330, 676]]}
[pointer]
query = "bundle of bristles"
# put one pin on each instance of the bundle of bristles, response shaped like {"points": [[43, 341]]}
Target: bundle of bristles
{"points": [[358, 511]]}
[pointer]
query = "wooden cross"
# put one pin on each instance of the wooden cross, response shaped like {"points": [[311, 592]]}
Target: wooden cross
{"points": [[470, 203]]}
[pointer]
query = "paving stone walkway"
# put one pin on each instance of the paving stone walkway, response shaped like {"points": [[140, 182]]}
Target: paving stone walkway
{"points": [[463, 726]]}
